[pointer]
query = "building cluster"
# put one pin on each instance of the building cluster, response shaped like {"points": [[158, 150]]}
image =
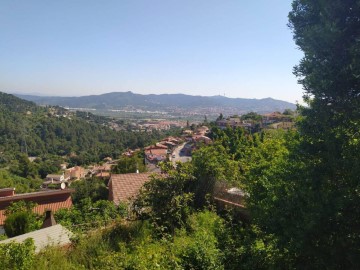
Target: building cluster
{"points": [[275, 120], [77, 173], [198, 136], [234, 122], [160, 125], [122, 188], [160, 151]]}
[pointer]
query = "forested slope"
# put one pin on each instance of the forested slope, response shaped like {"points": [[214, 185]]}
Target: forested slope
{"points": [[27, 128]]}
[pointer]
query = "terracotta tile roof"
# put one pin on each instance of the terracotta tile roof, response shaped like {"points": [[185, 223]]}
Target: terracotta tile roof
{"points": [[122, 187], [157, 152], [50, 199], [103, 174], [157, 146]]}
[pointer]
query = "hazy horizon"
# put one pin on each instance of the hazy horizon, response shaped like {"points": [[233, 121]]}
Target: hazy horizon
{"points": [[194, 95], [206, 48]]}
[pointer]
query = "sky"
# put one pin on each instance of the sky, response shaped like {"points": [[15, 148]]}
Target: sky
{"points": [[236, 48]]}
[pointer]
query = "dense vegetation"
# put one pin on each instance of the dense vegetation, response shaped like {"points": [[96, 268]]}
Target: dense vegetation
{"points": [[54, 135], [24, 127], [301, 187]]}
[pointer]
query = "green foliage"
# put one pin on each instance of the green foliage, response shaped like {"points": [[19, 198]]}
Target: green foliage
{"points": [[166, 200], [251, 116], [20, 206], [315, 188], [20, 219], [87, 214], [236, 141], [22, 185], [17, 256], [199, 249], [93, 188], [53, 258], [288, 112], [211, 164], [17, 224], [129, 165], [23, 167], [55, 131]]}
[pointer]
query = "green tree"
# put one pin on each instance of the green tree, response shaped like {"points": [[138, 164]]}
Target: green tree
{"points": [[252, 116], [93, 188], [288, 112], [166, 201], [220, 117], [328, 34], [24, 168], [307, 197], [17, 223], [17, 256], [129, 165], [205, 120], [87, 214], [20, 219]]}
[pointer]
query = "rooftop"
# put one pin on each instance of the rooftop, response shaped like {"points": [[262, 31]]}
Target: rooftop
{"points": [[123, 187], [55, 235], [49, 199], [36, 194]]}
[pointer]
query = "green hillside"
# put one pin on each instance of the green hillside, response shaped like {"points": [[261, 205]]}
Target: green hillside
{"points": [[37, 131]]}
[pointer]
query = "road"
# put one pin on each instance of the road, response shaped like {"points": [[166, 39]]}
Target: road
{"points": [[178, 155]]}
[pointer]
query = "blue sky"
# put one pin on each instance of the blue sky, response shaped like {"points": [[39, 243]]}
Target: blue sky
{"points": [[200, 47]]}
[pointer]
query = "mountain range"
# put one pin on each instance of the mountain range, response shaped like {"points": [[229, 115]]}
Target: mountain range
{"points": [[164, 102]]}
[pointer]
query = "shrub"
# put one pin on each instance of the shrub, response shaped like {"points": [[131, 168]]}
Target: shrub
{"points": [[17, 223], [17, 256]]}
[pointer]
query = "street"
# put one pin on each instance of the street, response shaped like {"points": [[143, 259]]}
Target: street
{"points": [[178, 155]]}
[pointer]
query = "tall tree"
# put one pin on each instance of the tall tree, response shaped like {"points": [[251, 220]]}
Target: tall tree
{"points": [[328, 32], [307, 198]]}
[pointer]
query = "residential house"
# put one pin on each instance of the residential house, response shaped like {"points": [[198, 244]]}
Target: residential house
{"points": [[201, 139], [155, 153], [103, 175], [46, 200], [275, 117], [128, 153], [75, 173], [203, 130], [170, 143], [63, 166], [187, 132], [53, 178], [124, 187], [96, 169], [233, 122], [284, 125]]}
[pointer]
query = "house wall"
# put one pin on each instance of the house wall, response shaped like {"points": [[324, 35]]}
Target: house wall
{"points": [[53, 202]]}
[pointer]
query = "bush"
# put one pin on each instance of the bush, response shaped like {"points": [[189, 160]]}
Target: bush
{"points": [[17, 256], [18, 223], [20, 218]]}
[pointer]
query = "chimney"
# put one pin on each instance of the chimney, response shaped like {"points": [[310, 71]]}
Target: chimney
{"points": [[49, 219]]}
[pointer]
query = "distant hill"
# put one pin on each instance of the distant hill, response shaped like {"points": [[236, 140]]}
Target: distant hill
{"points": [[12, 103], [27, 127], [165, 102]]}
